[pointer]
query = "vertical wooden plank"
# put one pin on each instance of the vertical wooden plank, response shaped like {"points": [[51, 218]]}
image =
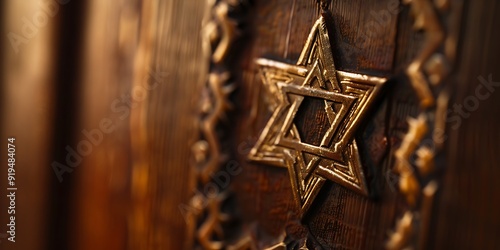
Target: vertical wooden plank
{"points": [[68, 73], [143, 181], [466, 215], [102, 187], [27, 83], [163, 125]]}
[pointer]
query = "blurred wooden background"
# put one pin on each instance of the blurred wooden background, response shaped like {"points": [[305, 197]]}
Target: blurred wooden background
{"points": [[137, 69]]}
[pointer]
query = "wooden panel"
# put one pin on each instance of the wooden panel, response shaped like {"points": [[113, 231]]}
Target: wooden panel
{"points": [[467, 212], [27, 111], [102, 186], [339, 217], [163, 125], [140, 67]]}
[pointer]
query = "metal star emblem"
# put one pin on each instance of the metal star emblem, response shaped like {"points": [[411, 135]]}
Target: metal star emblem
{"points": [[345, 97]]}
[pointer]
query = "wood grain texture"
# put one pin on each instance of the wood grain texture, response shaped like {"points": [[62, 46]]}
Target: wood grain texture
{"points": [[102, 189], [467, 212], [338, 218], [163, 126], [126, 193]]}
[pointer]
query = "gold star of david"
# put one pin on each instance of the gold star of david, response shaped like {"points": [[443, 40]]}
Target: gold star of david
{"points": [[345, 96]]}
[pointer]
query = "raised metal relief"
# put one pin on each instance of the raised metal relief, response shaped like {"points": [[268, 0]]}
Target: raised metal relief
{"points": [[345, 98]]}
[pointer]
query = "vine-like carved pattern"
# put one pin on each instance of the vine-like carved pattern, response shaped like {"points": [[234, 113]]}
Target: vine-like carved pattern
{"points": [[205, 218], [425, 135]]}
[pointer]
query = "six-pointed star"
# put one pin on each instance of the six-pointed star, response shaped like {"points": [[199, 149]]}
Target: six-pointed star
{"points": [[346, 97]]}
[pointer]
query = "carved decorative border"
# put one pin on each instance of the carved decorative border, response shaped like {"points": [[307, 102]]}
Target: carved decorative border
{"points": [[439, 20], [427, 72], [219, 32]]}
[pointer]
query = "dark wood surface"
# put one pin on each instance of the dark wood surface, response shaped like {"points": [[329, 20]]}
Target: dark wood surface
{"points": [[466, 213], [339, 217], [126, 194]]}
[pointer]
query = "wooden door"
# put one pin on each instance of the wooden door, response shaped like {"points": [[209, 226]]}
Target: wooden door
{"points": [[396, 184]]}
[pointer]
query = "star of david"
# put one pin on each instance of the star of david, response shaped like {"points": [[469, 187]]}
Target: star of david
{"points": [[345, 96]]}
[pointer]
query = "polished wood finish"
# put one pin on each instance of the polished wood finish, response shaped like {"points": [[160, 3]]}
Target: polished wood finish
{"points": [[131, 190]]}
